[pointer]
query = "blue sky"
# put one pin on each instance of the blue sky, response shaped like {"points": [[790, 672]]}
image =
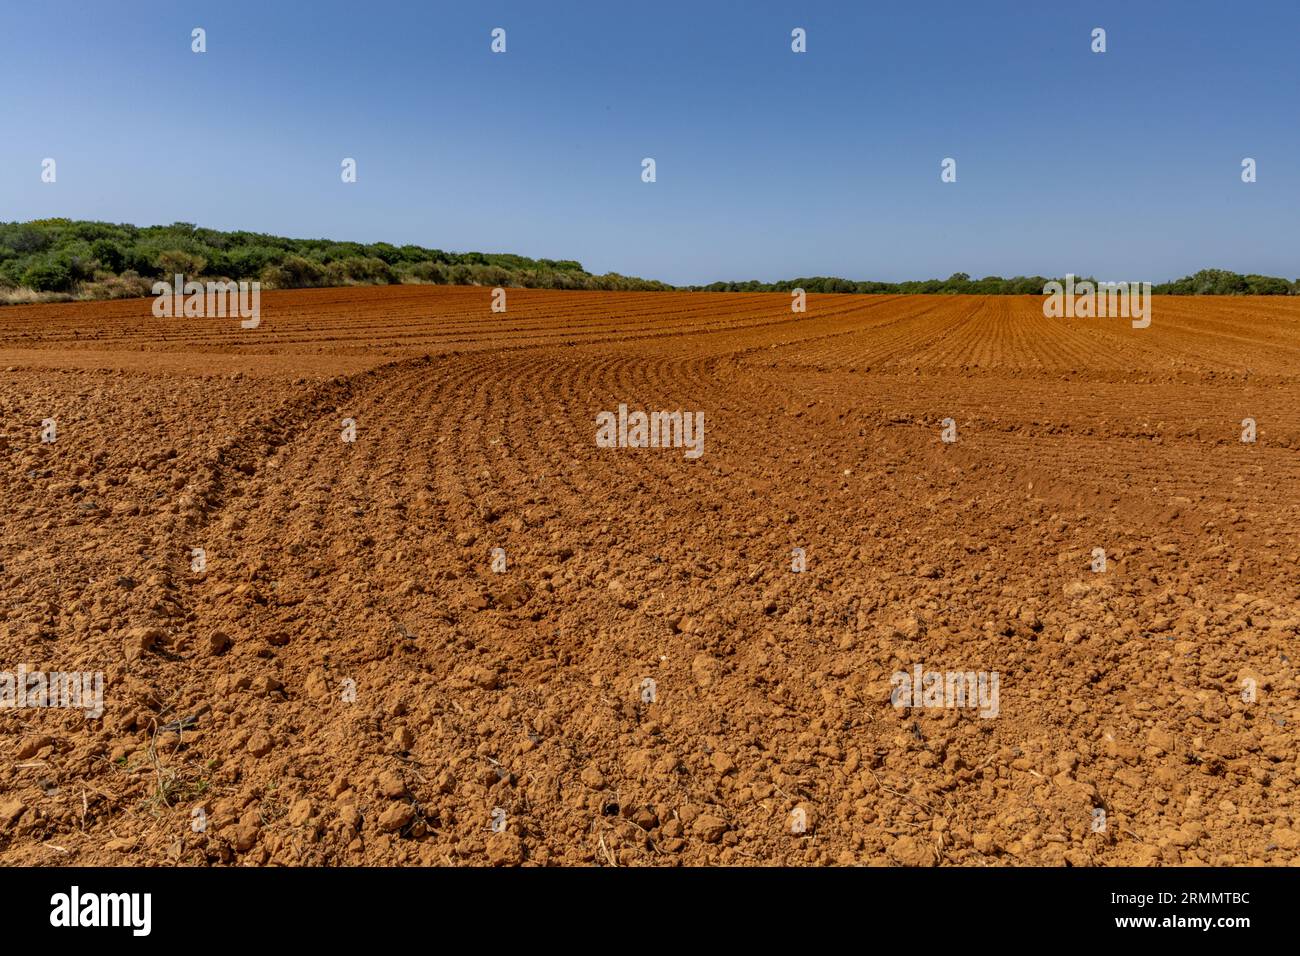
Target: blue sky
{"points": [[770, 164]]}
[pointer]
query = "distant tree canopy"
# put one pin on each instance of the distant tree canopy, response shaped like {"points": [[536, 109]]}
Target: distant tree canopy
{"points": [[100, 259], [1205, 282], [66, 258], [1221, 282]]}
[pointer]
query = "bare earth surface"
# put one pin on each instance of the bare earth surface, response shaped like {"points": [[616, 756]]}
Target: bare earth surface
{"points": [[364, 688]]}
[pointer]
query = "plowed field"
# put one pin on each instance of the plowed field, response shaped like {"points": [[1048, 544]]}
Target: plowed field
{"points": [[648, 682]]}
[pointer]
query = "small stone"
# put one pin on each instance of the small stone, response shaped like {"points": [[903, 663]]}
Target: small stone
{"points": [[1161, 739], [706, 670], [300, 813], [31, 746], [247, 593], [908, 851], [709, 828], [909, 627], [1287, 839], [722, 763], [619, 591], [391, 785], [260, 744], [266, 684], [593, 778], [396, 816], [141, 640], [246, 834], [505, 849], [10, 812]]}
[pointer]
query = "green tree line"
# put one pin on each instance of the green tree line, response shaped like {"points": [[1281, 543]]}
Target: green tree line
{"points": [[64, 258], [1205, 282]]}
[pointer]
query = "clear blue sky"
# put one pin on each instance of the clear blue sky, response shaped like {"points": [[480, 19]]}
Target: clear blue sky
{"points": [[770, 164]]}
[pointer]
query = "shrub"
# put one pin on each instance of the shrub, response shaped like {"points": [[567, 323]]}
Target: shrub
{"points": [[109, 254], [370, 270], [48, 276], [179, 262], [294, 272], [434, 272]]}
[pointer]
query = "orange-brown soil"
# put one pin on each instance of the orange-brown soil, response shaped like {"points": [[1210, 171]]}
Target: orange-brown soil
{"points": [[358, 685]]}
